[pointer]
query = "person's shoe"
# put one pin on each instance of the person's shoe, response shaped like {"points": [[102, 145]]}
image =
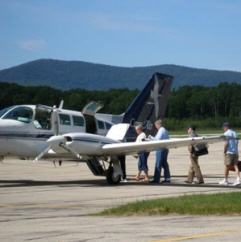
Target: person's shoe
{"points": [[145, 180], [166, 181], [223, 182], [236, 183], [124, 180], [199, 182], [188, 182], [153, 181]]}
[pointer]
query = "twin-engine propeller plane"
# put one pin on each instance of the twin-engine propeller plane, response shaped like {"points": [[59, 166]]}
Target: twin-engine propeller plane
{"points": [[43, 132]]}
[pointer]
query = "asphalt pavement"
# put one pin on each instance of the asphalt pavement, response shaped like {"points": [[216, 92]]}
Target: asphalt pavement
{"points": [[41, 202]]}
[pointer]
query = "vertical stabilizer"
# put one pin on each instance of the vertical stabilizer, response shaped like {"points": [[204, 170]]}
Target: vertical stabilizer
{"points": [[149, 105]]}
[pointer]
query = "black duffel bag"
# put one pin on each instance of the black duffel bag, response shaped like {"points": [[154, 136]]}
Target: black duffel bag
{"points": [[200, 149]]}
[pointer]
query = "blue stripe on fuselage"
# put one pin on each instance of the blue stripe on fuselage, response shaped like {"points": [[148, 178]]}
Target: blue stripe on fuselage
{"points": [[7, 135]]}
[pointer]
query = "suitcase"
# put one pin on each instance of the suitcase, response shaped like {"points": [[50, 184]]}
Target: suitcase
{"points": [[231, 168]]}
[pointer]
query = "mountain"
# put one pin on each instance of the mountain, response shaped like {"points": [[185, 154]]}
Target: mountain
{"points": [[67, 75]]}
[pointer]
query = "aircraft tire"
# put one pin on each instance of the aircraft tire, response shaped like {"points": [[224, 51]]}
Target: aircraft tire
{"points": [[110, 178]]}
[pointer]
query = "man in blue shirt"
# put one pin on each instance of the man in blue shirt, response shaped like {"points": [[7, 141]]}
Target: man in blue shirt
{"points": [[230, 154], [161, 154]]}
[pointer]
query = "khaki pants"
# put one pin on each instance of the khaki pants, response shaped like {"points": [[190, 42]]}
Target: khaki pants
{"points": [[194, 169]]}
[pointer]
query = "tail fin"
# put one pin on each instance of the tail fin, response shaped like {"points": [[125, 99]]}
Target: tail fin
{"points": [[149, 105]]}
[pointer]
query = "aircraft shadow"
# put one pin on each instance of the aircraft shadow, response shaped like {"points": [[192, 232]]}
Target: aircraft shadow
{"points": [[36, 183], [103, 183]]}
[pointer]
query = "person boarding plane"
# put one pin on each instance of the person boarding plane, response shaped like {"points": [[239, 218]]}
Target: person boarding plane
{"points": [[38, 131]]}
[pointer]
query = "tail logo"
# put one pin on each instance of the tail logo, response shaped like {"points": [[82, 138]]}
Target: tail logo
{"points": [[155, 96]]}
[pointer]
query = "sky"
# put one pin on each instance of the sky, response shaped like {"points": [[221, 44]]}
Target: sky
{"points": [[128, 33]]}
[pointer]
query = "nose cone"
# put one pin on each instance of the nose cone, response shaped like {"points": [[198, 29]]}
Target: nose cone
{"points": [[12, 138], [12, 128], [4, 134], [56, 140], [2, 124]]}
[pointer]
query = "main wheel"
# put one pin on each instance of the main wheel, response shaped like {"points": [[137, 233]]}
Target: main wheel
{"points": [[110, 176]]}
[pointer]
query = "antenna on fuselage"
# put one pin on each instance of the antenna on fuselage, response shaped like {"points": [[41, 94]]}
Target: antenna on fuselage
{"points": [[61, 104]]}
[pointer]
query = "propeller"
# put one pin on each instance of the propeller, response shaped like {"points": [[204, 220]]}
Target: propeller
{"points": [[56, 140]]}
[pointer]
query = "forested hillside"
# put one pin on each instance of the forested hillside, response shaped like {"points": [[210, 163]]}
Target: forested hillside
{"points": [[206, 107], [66, 75]]}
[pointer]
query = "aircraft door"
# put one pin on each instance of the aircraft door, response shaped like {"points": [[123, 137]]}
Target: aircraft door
{"points": [[42, 118], [89, 112]]}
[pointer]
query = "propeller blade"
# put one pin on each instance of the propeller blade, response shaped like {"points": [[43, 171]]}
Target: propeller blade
{"points": [[55, 122], [73, 152], [53, 141], [42, 154]]}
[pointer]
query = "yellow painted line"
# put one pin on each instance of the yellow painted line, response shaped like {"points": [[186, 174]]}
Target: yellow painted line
{"points": [[38, 206], [199, 235]]}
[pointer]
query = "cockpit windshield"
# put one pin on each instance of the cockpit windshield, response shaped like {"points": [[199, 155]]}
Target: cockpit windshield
{"points": [[20, 113], [3, 111]]}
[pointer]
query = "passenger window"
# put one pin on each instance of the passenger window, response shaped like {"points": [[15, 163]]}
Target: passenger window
{"points": [[22, 114], [64, 119], [108, 126], [101, 125], [78, 121]]}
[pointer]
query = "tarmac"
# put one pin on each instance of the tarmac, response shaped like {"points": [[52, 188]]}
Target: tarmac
{"points": [[41, 202]]}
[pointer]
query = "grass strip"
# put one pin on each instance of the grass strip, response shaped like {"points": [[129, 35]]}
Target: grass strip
{"points": [[207, 204]]}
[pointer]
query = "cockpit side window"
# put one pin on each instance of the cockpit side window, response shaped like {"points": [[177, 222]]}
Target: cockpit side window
{"points": [[22, 114], [42, 119]]}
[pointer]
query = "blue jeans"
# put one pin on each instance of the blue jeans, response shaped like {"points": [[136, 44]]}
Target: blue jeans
{"points": [[161, 162], [142, 161]]}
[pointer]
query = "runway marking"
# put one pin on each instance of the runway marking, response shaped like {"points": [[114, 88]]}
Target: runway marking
{"points": [[38, 206], [199, 235]]}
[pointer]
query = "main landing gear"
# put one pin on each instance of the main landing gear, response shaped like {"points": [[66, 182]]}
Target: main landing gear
{"points": [[111, 178], [112, 173]]}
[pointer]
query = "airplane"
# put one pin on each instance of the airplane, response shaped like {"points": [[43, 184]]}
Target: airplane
{"points": [[149, 105], [43, 132]]}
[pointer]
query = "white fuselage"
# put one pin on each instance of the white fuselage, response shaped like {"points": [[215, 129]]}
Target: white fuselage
{"points": [[24, 130]]}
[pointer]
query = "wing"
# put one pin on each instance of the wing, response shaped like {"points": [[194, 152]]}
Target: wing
{"points": [[133, 148], [89, 145]]}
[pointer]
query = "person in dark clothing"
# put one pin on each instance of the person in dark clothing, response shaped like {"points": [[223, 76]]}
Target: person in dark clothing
{"points": [[194, 168]]}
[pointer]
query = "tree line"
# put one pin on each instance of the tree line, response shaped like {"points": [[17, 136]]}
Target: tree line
{"points": [[206, 107]]}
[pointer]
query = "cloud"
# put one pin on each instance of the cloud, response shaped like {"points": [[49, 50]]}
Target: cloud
{"points": [[110, 22], [32, 45]]}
